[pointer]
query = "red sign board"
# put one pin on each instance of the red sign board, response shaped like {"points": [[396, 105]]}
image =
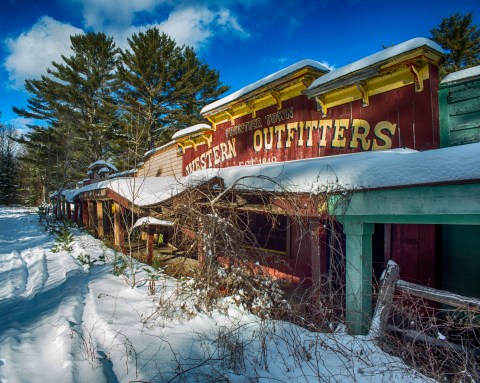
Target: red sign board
{"points": [[397, 118]]}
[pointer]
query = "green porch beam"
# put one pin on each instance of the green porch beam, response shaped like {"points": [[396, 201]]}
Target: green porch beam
{"points": [[358, 276], [457, 204]]}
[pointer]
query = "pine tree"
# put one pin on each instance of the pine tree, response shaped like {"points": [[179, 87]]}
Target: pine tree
{"points": [[163, 86], [8, 166], [196, 86], [86, 86], [50, 160], [461, 39], [76, 102]]}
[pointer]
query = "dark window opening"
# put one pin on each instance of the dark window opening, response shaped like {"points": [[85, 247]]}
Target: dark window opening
{"points": [[266, 231]]}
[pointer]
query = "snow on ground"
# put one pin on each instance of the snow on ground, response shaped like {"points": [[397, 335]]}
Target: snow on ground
{"points": [[64, 321]]}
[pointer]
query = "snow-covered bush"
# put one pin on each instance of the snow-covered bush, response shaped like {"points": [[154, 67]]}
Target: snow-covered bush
{"points": [[64, 239], [254, 291]]}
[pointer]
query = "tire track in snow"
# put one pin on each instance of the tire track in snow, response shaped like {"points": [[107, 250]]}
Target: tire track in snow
{"points": [[46, 328], [13, 274], [42, 310], [36, 261], [41, 295]]}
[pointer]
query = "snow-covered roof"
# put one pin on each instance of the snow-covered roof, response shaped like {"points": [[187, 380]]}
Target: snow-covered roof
{"points": [[145, 221], [142, 191], [357, 171], [101, 163], [264, 81], [104, 170], [67, 193], [365, 170], [375, 59], [462, 75], [124, 173], [151, 151], [191, 130]]}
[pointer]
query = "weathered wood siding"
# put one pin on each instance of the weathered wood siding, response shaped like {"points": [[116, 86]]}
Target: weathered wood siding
{"points": [[164, 162], [459, 112], [461, 259], [395, 118], [413, 249]]}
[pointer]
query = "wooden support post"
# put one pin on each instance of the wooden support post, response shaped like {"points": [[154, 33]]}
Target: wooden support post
{"points": [[117, 225], [55, 207], [316, 231], [69, 210], [91, 214], [384, 300], [85, 213], [100, 229], [150, 232], [75, 212], [358, 276]]}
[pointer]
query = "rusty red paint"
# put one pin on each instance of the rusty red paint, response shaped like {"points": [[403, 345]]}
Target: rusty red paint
{"points": [[397, 118]]}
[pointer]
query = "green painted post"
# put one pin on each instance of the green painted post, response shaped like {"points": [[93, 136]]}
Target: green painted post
{"points": [[358, 276]]}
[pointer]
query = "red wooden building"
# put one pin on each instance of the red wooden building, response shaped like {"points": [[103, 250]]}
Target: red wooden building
{"points": [[384, 101], [309, 134]]}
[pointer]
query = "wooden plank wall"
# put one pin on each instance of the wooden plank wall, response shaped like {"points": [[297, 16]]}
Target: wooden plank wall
{"points": [[460, 112], [461, 259], [165, 162]]}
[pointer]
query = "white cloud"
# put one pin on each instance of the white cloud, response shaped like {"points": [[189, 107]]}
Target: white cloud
{"points": [[113, 16], [193, 23], [21, 124], [32, 52], [196, 26]]}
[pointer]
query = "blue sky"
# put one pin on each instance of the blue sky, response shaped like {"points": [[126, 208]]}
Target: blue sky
{"points": [[244, 40]]}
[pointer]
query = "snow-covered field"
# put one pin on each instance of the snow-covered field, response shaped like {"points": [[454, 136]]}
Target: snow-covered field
{"points": [[61, 321]]}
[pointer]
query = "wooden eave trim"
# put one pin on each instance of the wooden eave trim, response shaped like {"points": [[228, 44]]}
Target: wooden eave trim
{"points": [[410, 186], [424, 53], [343, 82], [258, 208], [99, 194], [418, 57], [298, 77], [195, 140], [251, 106], [404, 75], [124, 202]]}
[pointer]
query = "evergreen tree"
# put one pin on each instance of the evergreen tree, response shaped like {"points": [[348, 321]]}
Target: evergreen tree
{"points": [[196, 85], [47, 156], [86, 88], [76, 101], [461, 39], [101, 103], [163, 87], [8, 166]]}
